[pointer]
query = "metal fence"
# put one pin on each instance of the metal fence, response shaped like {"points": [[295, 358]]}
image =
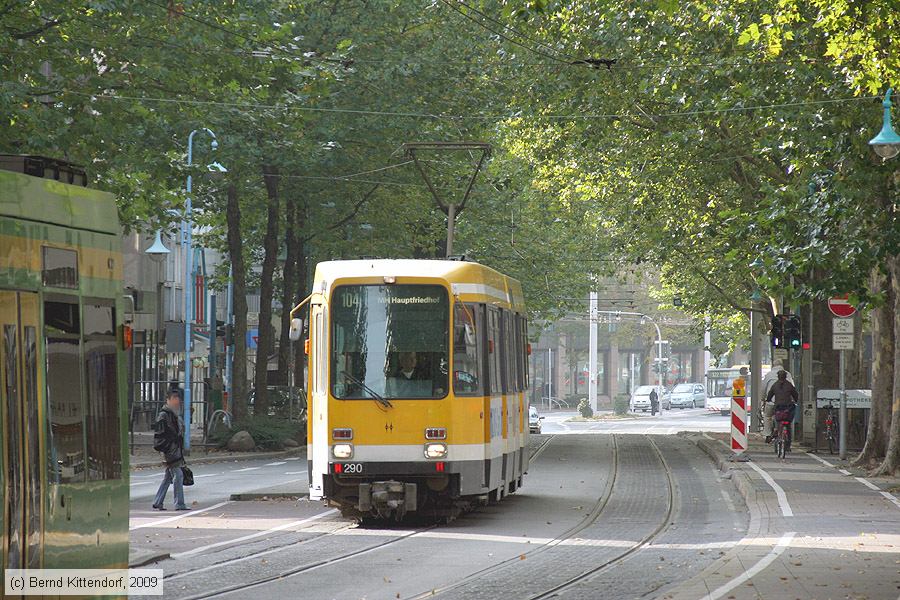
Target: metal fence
{"points": [[147, 400]]}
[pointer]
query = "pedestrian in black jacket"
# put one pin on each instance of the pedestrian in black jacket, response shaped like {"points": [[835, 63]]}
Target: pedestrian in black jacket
{"points": [[169, 439]]}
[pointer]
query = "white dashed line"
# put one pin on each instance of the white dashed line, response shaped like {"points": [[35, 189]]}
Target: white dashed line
{"points": [[891, 498], [844, 472], [779, 491], [820, 459], [275, 464], [868, 484], [295, 472], [247, 469]]}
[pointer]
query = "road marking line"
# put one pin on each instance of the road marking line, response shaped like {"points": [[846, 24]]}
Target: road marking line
{"points": [[767, 560], [247, 469], [207, 475], [225, 563], [275, 464], [141, 483], [254, 535], [181, 516], [868, 484], [294, 472], [779, 491], [820, 459], [294, 458], [892, 498]]}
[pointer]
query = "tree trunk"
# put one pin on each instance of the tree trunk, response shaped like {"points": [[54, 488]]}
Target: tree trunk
{"points": [[892, 456], [238, 398], [301, 272], [883, 373], [289, 289], [266, 292]]}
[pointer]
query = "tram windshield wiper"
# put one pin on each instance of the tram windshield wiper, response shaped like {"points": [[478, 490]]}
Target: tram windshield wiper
{"points": [[375, 395]]}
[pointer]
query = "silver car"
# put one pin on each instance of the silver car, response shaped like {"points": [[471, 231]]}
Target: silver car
{"points": [[640, 399], [688, 395]]}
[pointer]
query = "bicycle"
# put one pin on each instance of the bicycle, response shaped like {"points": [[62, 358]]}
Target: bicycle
{"points": [[831, 429], [783, 434]]}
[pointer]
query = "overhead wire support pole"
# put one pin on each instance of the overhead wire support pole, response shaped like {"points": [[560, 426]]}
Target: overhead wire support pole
{"points": [[451, 209]]}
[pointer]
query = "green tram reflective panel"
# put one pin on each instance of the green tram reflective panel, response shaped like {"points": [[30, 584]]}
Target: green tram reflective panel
{"points": [[63, 409]]}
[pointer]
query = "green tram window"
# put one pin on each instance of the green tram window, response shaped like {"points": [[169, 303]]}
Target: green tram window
{"points": [[66, 448], [104, 450], [60, 267], [392, 340], [468, 349]]}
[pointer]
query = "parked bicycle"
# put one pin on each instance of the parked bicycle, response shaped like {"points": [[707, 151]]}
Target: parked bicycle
{"points": [[831, 427]]}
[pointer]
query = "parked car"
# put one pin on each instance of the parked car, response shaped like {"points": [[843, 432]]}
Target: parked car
{"points": [[534, 420], [640, 399], [688, 395]]}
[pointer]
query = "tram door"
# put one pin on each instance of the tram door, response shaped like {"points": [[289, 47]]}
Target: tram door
{"points": [[20, 475]]}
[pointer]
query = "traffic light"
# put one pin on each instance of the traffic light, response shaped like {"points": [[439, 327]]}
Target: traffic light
{"points": [[787, 332], [778, 331], [793, 333]]}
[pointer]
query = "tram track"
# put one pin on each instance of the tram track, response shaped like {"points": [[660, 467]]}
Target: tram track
{"points": [[626, 553], [308, 566], [311, 566], [570, 533]]}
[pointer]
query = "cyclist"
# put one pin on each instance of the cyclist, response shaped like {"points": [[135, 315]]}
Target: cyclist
{"points": [[785, 397]]}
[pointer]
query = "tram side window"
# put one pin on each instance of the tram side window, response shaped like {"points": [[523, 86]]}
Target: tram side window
{"points": [[66, 449], [104, 458], [494, 352], [468, 319], [60, 267], [510, 383], [522, 350]]}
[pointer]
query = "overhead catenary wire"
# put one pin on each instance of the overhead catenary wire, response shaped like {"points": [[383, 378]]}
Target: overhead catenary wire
{"points": [[494, 117], [509, 39]]}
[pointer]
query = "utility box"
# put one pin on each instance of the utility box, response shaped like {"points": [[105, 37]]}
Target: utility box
{"points": [[859, 403]]}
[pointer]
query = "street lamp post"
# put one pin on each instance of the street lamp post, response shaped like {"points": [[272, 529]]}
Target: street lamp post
{"points": [[887, 143], [158, 252], [186, 240]]}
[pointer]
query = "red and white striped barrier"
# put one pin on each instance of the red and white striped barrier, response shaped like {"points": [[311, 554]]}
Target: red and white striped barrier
{"points": [[738, 418]]}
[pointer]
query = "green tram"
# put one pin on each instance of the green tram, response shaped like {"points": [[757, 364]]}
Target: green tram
{"points": [[63, 453]]}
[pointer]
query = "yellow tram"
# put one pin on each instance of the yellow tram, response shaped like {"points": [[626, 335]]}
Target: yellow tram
{"points": [[417, 378]]}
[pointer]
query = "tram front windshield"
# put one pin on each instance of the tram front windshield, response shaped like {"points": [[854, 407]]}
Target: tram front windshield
{"points": [[390, 341]]}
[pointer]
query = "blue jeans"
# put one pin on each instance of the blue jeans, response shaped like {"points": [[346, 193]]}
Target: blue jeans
{"points": [[172, 473]]}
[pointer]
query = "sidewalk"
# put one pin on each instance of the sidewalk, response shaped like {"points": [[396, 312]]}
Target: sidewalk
{"points": [[817, 530]]}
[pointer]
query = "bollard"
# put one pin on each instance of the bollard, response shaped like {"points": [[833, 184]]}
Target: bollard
{"points": [[739, 419]]}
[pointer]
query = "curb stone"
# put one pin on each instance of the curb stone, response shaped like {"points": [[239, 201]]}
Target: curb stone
{"points": [[146, 557]]}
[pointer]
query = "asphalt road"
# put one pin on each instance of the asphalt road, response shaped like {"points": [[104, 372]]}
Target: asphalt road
{"points": [[667, 422], [598, 516]]}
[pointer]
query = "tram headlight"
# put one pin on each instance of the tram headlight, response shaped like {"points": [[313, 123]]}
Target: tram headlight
{"points": [[342, 450], [435, 450]]}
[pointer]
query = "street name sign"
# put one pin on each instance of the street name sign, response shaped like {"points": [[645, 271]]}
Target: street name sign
{"points": [[840, 306]]}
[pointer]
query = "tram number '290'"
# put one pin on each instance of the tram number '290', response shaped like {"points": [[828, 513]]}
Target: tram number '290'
{"points": [[349, 468]]}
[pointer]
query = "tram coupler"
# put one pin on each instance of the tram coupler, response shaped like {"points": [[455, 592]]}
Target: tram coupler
{"points": [[387, 497]]}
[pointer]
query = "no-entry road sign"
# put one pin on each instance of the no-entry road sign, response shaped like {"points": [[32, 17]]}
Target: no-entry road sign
{"points": [[840, 306]]}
